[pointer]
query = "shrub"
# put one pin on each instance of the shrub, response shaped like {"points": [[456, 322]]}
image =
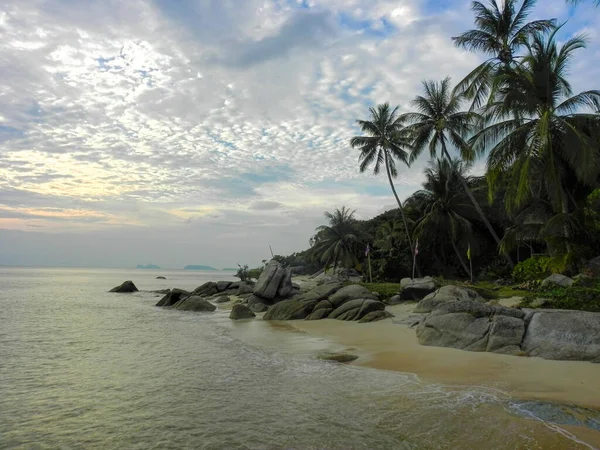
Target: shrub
{"points": [[534, 268], [255, 273], [499, 268], [385, 290], [578, 297], [242, 272]]}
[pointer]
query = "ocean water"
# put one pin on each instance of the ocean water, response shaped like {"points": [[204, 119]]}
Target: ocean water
{"points": [[81, 368]]}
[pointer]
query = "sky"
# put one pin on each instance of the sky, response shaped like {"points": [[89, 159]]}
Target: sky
{"points": [[180, 132]]}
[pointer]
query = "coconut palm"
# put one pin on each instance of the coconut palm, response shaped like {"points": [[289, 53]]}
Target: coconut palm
{"points": [[382, 144], [537, 136], [439, 124], [501, 30], [389, 236], [337, 243], [445, 210], [576, 2]]}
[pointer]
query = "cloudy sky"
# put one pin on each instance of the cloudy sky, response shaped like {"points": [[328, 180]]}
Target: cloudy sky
{"points": [[202, 131]]}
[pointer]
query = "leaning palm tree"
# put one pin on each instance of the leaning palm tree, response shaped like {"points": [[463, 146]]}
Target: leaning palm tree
{"points": [[445, 210], [575, 2], [336, 244], [539, 136], [438, 124], [382, 144], [501, 30]]}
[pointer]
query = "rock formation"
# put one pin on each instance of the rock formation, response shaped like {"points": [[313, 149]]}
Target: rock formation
{"points": [[416, 289], [125, 287]]}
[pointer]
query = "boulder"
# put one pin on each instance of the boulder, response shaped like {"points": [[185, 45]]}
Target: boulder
{"points": [[244, 289], [417, 288], [194, 303], [161, 278], [447, 294], [285, 287], [320, 292], [172, 297], [470, 325], [564, 335], [557, 279], [258, 307], [125, 287], [223, 285], [375, 316], [337, 357], [319, 314], [161, 291], [291, 309], [350, 292], [356, 309], [592, 268], [270, 280], [239, 312], [395, 300], [222, 299], [209, 288]]}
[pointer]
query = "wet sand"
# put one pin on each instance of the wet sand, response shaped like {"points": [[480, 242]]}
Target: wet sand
{"points": [[390, 346]]}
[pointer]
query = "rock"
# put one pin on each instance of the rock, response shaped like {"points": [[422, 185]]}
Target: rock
{"points": [[222, 299], [395, 300], [557, 279], [194, 303], [126, 287], [416, 289], [296, 286], [209, 288], [563, 335], [270, 280], [356, 309], [473, 326], [258, 307], [375, 316], [162, 291], [319, 314], [539, 302], [320, 292], [350, 292], [161, 278], [223, 285], [337, 357], [291, 309], [239, 312], [172, 297], [447, 294], [592, 268], [285, 287], [503, 282], [253, 299], [245, 289]]}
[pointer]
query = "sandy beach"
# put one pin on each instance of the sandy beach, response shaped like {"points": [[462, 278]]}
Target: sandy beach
{"points": [[391, 346]]}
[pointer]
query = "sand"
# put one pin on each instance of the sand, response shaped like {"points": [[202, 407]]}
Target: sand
{"points": [[390, 346]]}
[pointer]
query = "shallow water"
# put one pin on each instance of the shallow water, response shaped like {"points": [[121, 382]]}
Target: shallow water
{"points": [[84, 368]]}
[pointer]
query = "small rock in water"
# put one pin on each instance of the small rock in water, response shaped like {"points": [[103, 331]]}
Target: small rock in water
{"points": [[338, 357], [240, 311], [161, 278], [126, 287]]}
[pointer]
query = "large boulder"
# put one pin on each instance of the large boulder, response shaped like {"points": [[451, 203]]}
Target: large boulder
{"points": [[319, 314], [375, 316], [125, 287], [350, 292], [291, 309], [221, 299], [239, 312], [592, 268], [172, 297], [223, 285], [417, 288], [244, 288], [285, 286], [447, 294], [269, 281], [194, 303], [557, 279], [356, 309], [564, 335], [473, 326], [320, 292], [209, 288]]}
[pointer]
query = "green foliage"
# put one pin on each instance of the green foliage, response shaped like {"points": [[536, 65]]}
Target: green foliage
{"points": [[246, 274], [497, 269], [385, 290], [578, 297], [253, 274], [534, 268]]}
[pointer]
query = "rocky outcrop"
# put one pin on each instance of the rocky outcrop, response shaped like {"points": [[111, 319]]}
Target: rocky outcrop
{"points": [[223, 285], [207, 289], [375, 316], [564, 335], [239, 312], [172, 297], [244, 288], [473, 326], [417, 288], [125, 288], [222, 299], [194, 303], [447, 294], [356, 309], [291, 309], [274, 282], [350, 292], [557, 279], [320, 292], [395, 300]]}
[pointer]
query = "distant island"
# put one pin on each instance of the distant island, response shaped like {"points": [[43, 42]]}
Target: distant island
{"points": [[147, 266], [198, 268]]}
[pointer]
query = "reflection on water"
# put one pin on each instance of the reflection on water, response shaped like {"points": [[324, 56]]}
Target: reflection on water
{"points": [[82, 368]]}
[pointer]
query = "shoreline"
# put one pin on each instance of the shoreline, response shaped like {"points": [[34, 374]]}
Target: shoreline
{"points": [[390, 346]]}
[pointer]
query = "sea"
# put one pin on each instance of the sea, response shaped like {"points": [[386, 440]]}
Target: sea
{"points": [[83, 368]]}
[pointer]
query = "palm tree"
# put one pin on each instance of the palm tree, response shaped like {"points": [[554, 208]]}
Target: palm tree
{"points": [[383, 144], [445, 211], [389, 235], [575, 2], [538, 139], [440, 123], [500, 32], [336, 244]]}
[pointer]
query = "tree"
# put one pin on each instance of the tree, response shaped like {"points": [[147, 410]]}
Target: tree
{"points": [[501, 30], [383, 144], [389, 236], [444, 209], [439, 123], [576, 2], [337, 243], [538, 140]]}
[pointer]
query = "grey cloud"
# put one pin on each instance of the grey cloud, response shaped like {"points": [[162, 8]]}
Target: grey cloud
{"points": [[265, 205]]}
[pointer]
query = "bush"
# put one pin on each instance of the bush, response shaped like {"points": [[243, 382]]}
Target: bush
{"points": [[385, 290], [255, 273], [578, 297], [499, 268], [534, 268]]}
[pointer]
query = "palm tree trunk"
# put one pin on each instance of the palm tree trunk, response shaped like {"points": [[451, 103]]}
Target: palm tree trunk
{"points": [[565, 211], [477, 207], [459, 256]]}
